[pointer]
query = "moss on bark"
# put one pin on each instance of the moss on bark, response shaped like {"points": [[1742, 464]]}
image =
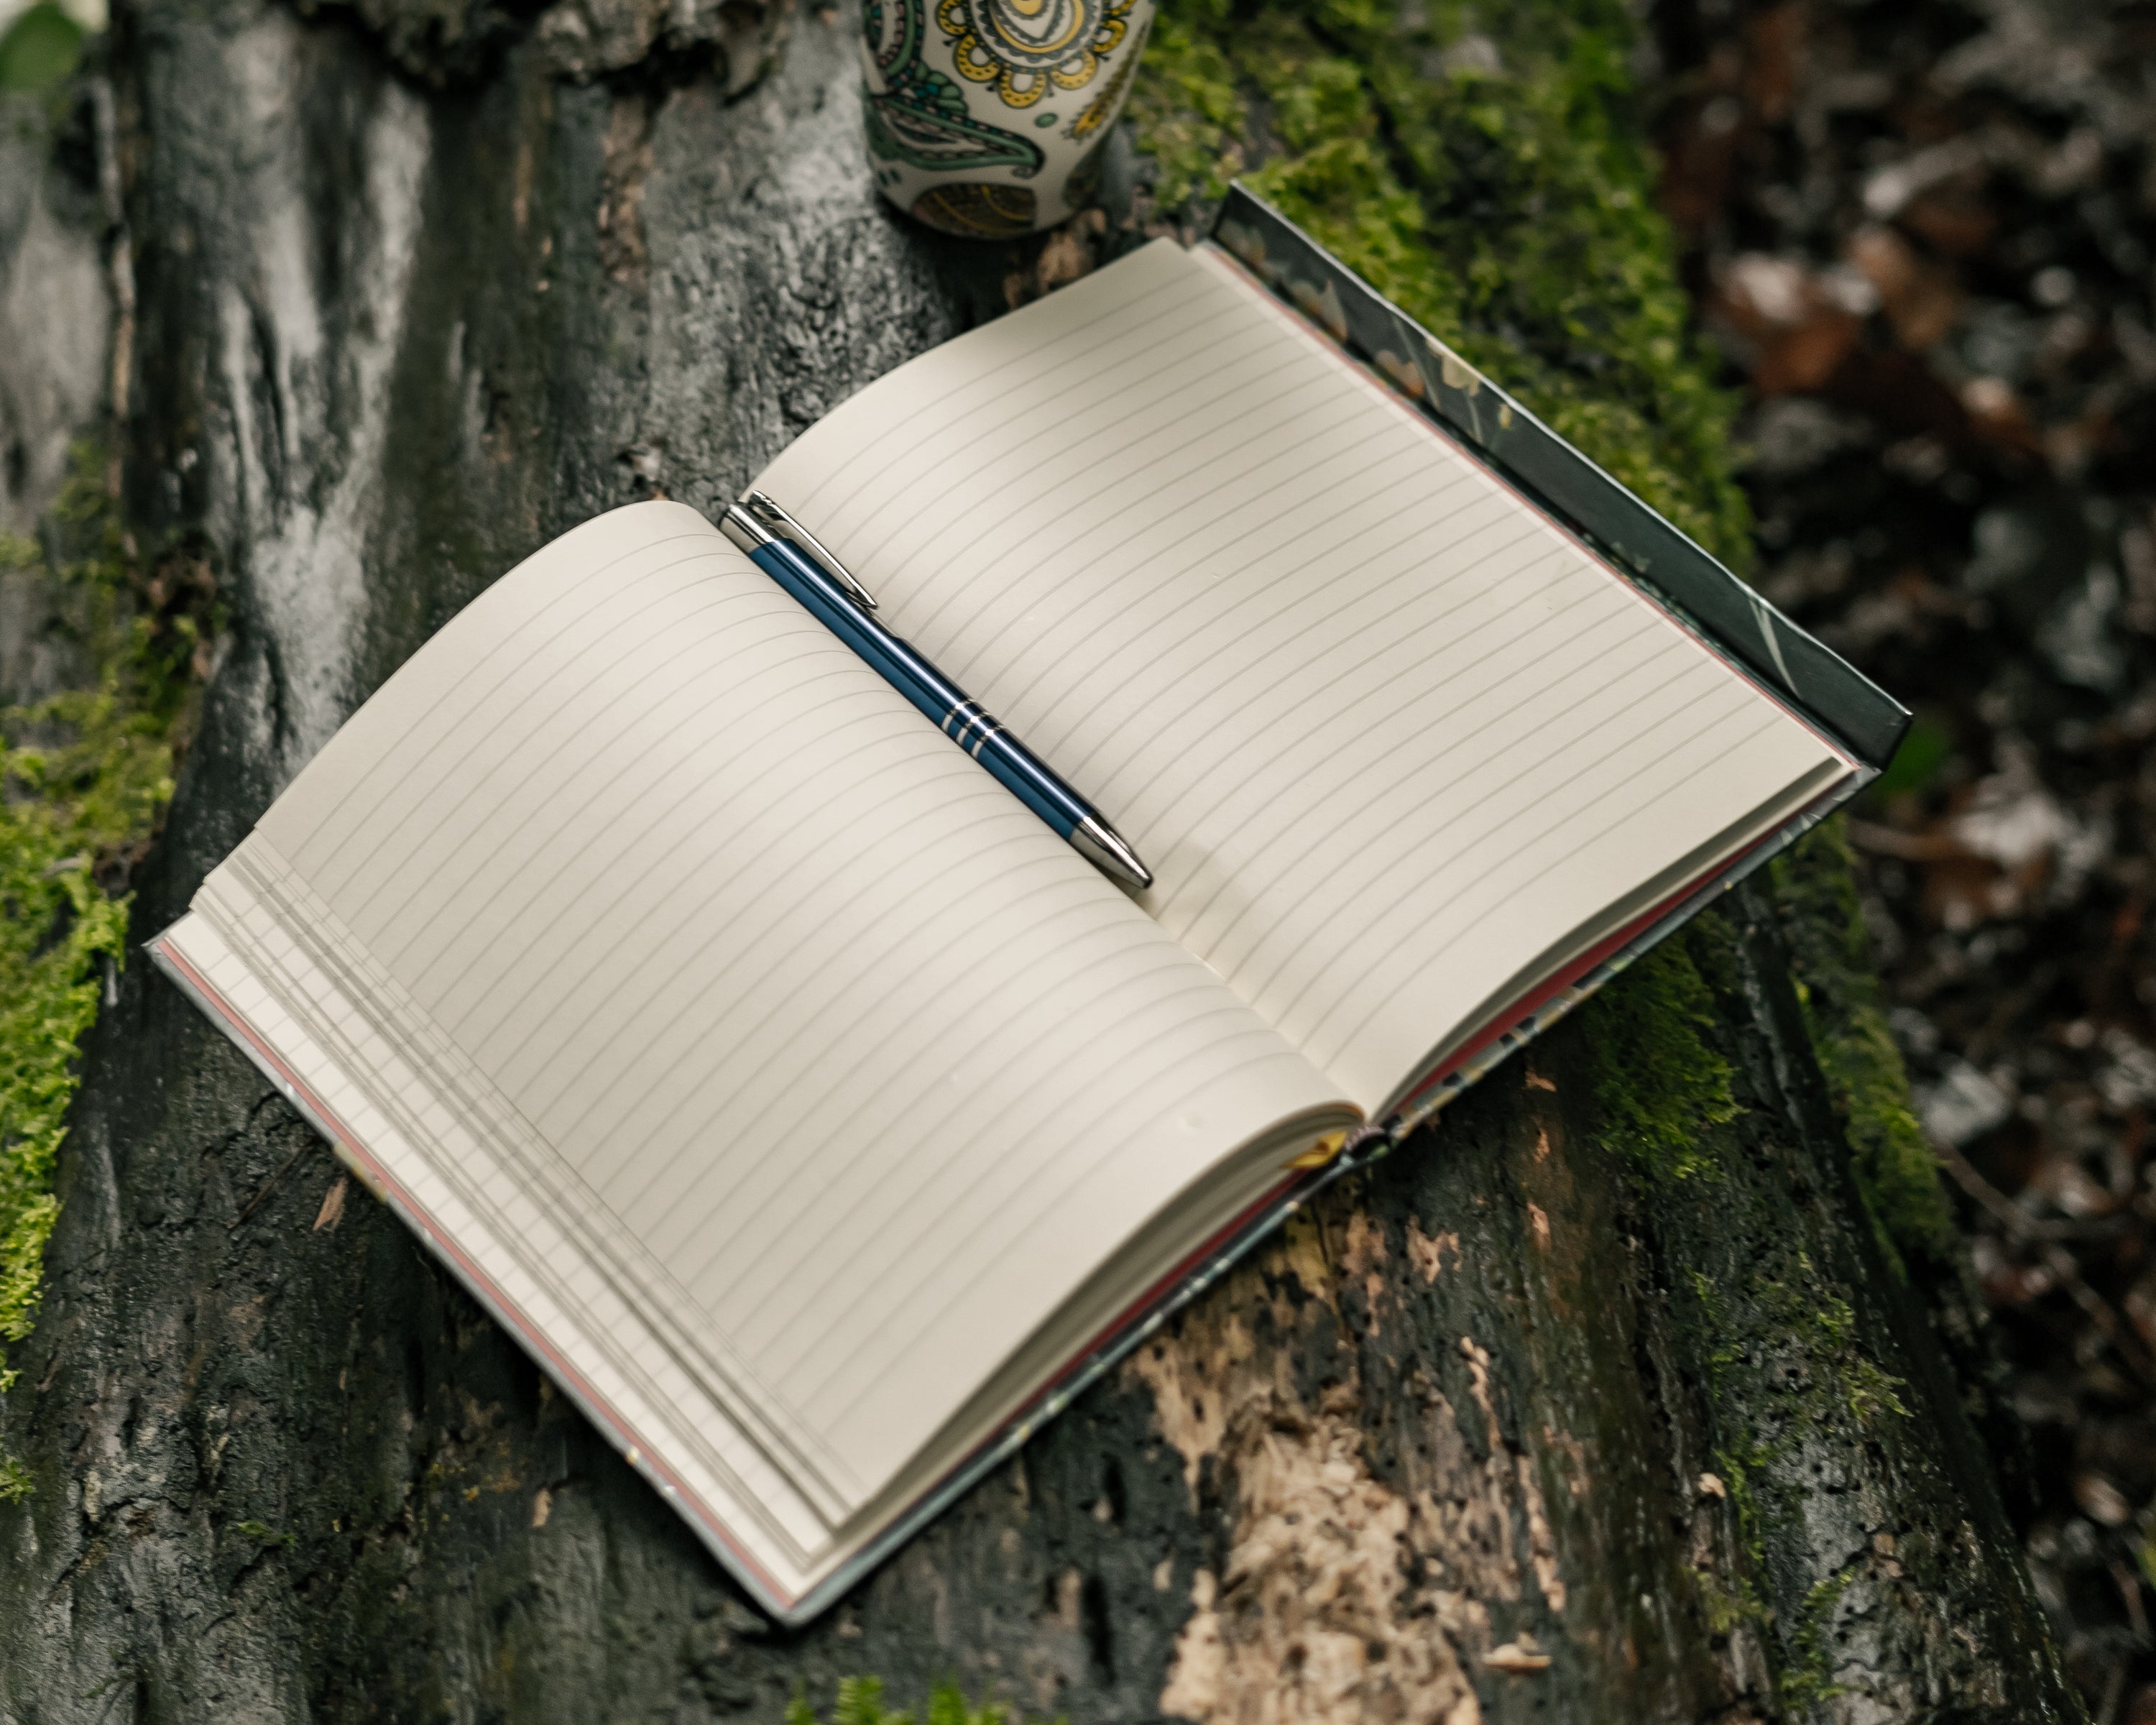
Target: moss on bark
{"points": [[1486, 169], [1662, 1086], [858, 1700], [84, 777], [1830, 948]]}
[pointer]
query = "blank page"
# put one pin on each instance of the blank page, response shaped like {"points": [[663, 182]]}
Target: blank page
{"points": [[1388, 738], [818, 1056]]}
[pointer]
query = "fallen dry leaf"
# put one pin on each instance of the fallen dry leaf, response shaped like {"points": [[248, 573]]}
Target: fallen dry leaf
{"points": [[332, 1210], [1520, 1658]]}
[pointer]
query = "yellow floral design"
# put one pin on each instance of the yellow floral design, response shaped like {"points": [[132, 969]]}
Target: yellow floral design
{"points": [[1102, 108], [1026, 48]]}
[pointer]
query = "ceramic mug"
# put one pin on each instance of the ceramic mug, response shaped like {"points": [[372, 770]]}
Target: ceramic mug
{"points": [[987, 118]]}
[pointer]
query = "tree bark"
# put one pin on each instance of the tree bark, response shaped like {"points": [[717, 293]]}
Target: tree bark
{"points": [[1539, 1418]]}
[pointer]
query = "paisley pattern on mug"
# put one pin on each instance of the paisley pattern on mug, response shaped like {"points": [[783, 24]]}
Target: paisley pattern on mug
{"points": [[1103, 107], [994, 124], [919, 116], [1026, 48], [977, 211]]}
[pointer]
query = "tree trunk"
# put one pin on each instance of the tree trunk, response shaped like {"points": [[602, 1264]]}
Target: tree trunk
{"points": [[1617, 1395]]}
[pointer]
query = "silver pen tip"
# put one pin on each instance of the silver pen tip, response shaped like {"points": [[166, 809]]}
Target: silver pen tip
{"points": [[1097, 842]]}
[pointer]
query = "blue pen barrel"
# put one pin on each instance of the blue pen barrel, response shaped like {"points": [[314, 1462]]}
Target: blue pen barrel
{"points": [[1025, 778], [805, 582], [1012, 765]]}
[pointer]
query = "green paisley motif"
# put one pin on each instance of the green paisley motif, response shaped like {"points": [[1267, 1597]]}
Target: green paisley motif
{"points": [[919, 115]]}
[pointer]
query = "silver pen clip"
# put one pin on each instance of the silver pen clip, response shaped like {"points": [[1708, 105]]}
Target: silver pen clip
{"points": [[774, 516]]}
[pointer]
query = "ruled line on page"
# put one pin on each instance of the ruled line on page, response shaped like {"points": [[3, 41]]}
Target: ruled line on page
{"points": [[1103, 466], [1379, 795], [490, 1155], [1085, 395], [402, 1123], [517, 680], [426, 710], [1472, 859], [507, 796], [1395, 611], [789, 1301], [840, 1386], [911, 514], [1373, 1001], [623, 838], [1009, 359]]}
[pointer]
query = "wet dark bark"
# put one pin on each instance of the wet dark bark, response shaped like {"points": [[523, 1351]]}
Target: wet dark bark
{"points": [[1513, 1428]]}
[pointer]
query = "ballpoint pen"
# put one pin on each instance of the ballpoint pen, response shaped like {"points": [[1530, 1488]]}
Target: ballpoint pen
{"points": [[792, 555]]}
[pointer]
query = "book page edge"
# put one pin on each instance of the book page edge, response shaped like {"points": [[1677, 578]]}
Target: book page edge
{"points": [[1497, 1040], [788, 1608]]}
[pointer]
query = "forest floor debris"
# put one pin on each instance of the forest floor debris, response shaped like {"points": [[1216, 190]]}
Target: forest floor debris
{"points": [[1922, 232]]}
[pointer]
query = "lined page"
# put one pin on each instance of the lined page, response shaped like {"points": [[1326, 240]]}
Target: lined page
{"points": [[823, 1048], [1386, 736], [313, 1043]]}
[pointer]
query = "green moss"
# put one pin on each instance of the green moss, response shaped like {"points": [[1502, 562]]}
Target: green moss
{"points": [[83, 778], [1189, 112], [1738, 1469], [1807, 1679], [1737, 1602], [1784, 1367], [1896, 1172], [1509, 210], [1839, 1376], [861, 1702], [40, 47], [1661, 1086], [1727, 1610], [1785, 1317]]}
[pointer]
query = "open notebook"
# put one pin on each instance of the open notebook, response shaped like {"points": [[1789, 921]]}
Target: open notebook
{"points": [[818, 1116]]}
